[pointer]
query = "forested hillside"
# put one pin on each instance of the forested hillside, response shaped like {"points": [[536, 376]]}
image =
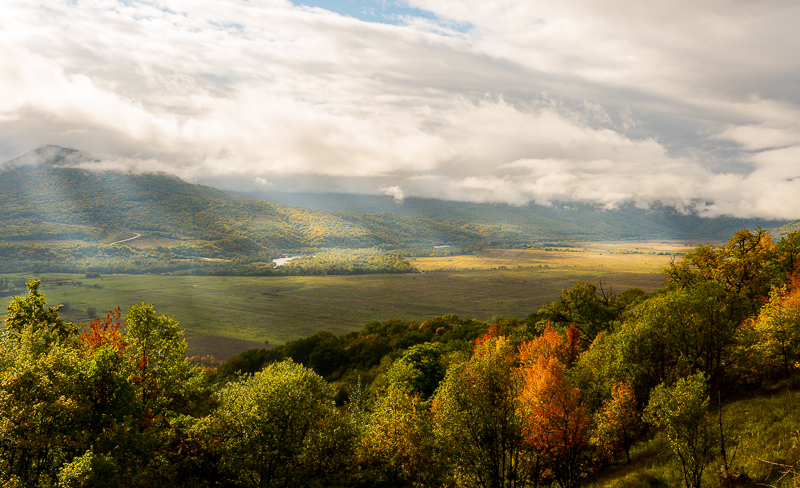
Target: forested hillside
{"points": [[533, 222], [58, 216], [38, 201], [691, 385]]}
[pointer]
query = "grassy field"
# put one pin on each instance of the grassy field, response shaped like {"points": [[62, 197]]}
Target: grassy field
{"points": [[224, 316]]}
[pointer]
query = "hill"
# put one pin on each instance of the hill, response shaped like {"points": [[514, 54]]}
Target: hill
{"points": [[56, 214], [46, 195], [534, 223]]}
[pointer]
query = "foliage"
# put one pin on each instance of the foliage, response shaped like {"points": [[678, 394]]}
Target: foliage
{"points": [[673, 334], [555, 421], [397, 447], [280, 427], [91, 408], [682, 410], [768, 346], [741, 267], [618, 422], [589, 309], [477, 421]]}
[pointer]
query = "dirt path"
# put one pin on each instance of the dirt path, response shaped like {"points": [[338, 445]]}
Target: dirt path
{"points": [[128, 239]]}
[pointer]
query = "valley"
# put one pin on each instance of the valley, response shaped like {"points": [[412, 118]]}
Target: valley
{"points": [[226, 315]]}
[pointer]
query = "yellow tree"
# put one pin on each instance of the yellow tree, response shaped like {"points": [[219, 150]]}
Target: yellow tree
{"points": [[477, 421], [618, 421]]}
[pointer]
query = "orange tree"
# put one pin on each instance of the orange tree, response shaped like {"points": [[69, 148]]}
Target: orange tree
{"points": [[555, 422]]}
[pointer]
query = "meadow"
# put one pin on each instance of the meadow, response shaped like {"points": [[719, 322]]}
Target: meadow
{"points": [[224, 316]]}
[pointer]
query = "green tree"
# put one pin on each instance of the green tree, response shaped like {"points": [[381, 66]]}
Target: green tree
{"points": [[397, 446], [280, 427], [32, 311], [72, 407], [682, 411], [163, 381], [587, 307], [675, 333], [741, 267], [420, 370]]}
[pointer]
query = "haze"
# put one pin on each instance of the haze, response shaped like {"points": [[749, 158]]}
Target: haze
{"points": [[691, 104]]}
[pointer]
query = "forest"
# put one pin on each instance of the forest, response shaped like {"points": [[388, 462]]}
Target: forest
{"points": [[596, 389]]}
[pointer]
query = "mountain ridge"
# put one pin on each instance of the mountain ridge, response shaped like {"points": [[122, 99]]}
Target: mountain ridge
{"points": [[45, 186]]}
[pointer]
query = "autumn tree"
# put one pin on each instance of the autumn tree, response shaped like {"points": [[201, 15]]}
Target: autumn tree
{"points": [[555, 422], [477, 422], [618, 422], [768, 345]]}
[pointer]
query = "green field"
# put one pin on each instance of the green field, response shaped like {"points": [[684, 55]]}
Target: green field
{"points": [[224, 316]]}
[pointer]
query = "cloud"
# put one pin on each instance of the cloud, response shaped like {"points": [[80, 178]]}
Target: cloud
{"points": [[693, 104], [393, 191]]}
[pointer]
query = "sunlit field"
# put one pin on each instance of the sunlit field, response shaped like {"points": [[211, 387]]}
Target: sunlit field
{"points": [[224, 316]]}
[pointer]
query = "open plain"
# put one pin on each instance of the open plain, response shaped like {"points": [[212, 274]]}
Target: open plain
{"points": [[225, 315]]}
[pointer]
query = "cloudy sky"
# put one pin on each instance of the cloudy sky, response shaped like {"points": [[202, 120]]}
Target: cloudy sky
{"points": [[689, 103]]}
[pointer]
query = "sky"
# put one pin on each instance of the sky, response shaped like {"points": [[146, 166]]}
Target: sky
{"points": [[691, 104]]}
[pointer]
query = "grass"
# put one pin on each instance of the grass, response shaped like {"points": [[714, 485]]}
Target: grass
{"points": [[762, 431], [224, 316]]}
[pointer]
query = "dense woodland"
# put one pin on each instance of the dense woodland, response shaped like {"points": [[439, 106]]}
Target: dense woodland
{"points": [[555, 399]]}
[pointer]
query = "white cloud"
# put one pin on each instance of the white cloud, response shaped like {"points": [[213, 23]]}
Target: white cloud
{"points": [[582, 100], [393, 191]]}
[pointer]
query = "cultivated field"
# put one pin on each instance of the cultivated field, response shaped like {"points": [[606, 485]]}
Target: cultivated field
{"points": [[224, 316]]}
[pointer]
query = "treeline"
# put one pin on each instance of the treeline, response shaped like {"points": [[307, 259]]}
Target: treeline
{"points": [[548, 400], [195, 259]]}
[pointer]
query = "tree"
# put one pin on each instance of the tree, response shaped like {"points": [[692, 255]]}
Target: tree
{"points": [[786, 258], [618, 422], [72, 407], [397, 446], [163, 381], [741, 267], [280, 427], [419, 371], [682, 411], [675, 333], [556, 425], [769, 345], [32, 311], [585, 307], [477, 422]]}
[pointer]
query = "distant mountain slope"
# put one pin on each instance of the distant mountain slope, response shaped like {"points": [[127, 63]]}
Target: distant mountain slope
{"points": [[48, 191], [536, 222], [793, 226], [45, 187]]}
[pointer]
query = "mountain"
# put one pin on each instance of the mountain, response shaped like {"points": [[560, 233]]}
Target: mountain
{"points": [[48, 195], [536, 223], [44, 195]]}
